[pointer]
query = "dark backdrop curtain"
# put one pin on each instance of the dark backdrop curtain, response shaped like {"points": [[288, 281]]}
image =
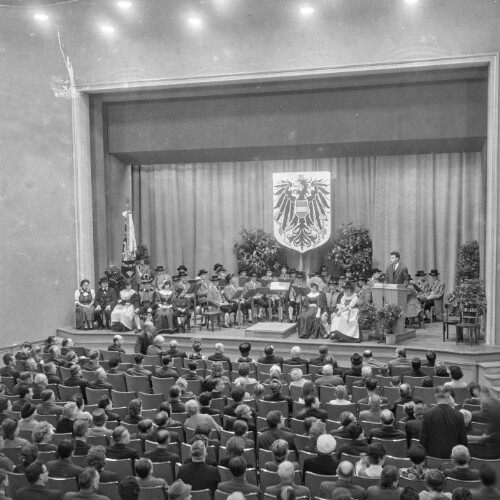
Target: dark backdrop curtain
{"points": [[422, 205]]}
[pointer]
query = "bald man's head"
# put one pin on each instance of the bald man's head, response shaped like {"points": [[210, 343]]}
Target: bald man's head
{"points": [[286, 471], [345, 469], [387, 417]]}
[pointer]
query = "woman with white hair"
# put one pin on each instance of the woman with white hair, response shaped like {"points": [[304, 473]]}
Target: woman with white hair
{"points": [[40, 383], [298, 379], [195, 418], [274, 373]]}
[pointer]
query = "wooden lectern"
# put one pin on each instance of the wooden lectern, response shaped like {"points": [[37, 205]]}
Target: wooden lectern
{"points": [[391, 294]]}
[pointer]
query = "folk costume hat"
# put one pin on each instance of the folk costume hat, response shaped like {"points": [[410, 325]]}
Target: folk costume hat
{"points": [[202, 272], [218, 267], [182, 267], [434, 272], [159, 269], [176, 278], [146, 278], [420, 273], [356, 359]]}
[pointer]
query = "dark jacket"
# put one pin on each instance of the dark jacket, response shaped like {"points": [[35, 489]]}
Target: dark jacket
{"points": [[199, 475], [442, 429], [120, 451], [37, 492], [321, 464], [220, 357], [63, 467], [386, 432], [271, 360], [162, 455]]}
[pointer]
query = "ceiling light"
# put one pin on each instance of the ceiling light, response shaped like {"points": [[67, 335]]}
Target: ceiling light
{"points": [[411, 1], [124, 4], [108, 29], [41, 17], [194, 21], [306, 11]]}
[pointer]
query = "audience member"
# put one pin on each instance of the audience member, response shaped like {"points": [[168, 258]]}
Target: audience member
{"points": [[37, 476], [345, 472], [42, 437], [179, 490], [144, 470], [101, 380], [10, 430], [162, 453], [96, 458], [27, 455], [48, 405], [418, 457], [88, 482], [238, 468], [346, 417], [138, 369], [270, 358], [357, 444], [117, 344], [488, 489], [129, 489], [387, 430], [296, 359], [324, 462], [434, 482], [456, 375], [371, 465], [286, 473], [63, 466], [373, 414], [275, 431], [107, 405], [460, 458], [120, 449], [388, 489], [328, 378]]}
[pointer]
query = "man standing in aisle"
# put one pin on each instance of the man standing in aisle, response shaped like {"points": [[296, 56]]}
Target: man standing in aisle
{"points": [[397, 272]]}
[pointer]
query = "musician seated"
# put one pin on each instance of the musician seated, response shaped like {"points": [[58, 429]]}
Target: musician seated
{"points": [[239, 308], [257, 301], [182, 307], [216, 301], [148, 299]]}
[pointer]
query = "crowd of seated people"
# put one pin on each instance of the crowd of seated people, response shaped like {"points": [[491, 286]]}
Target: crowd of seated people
{"points": [[322, 305], [269, 424]]}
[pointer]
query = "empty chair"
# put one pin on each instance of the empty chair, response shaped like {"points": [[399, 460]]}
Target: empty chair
{"points": [[121, 399], [392, 394], [162, 385], [150, 401], [264, 407], [426, 394], [109, 490], [393, 447], [417, 484], [201, 494], [137, 384], [67, 392], [451, 483], [117, 380], [16, 481]]}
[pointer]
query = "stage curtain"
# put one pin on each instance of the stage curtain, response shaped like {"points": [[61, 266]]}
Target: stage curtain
{"points": [[422, 205]]}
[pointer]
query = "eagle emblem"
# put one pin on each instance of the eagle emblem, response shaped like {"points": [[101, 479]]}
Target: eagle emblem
{"points": [[302, 209]]}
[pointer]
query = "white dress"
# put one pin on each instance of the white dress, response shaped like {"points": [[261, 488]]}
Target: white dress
{"points": [[124, 312], [345, 320]]}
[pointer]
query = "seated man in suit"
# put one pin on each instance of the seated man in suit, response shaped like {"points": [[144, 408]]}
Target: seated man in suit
{"points": [[81, 431], [488, 489], [405, 396], [117, 344], [275, 431], [345, 472], [120, 449], [459, 469], [387, 431], [88, 483], [346, 417], [373, 414], [63, 466], [357, 444], [436, 291], [144, 470], [162, 453], [286, 473], [37, 476], [219, 355], [324, 462], [270, 358], [238, 469], [296, 359]]}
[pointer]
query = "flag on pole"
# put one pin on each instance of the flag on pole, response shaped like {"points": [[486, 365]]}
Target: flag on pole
{"points": [[129, 246]]}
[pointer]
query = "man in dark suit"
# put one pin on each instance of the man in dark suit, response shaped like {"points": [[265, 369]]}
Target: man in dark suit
{"points": [[387, 430], [320, 359], [442, 426], [116, 346], [198, 474], [119, 448], [63, 467], [345, 472], [238, 468], [174, 351], [324, 462], [397, 273], [296, 359], [275, 431], [219, 355], [48, 405], [76, 379], [37, 475], [9, 370], [80, 431], [460, 469], [405, 396], [357, 443], [88, 483], [166, 370], [162, 453], [270, 358], [413, 427]]}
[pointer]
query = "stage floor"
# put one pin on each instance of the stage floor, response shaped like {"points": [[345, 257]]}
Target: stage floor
{"points": [[428, 338]]}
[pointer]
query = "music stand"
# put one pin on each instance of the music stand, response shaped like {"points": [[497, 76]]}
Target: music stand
{"points": [[194, 286]]}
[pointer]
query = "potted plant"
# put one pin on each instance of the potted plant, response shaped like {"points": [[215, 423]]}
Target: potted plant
{"points": [[257, 250], [353, 250], [115, 277], [367, 318], [469, 294], [468, 261], [387, 317]]}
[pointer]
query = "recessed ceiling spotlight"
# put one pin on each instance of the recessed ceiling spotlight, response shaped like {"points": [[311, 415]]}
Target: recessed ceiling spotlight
{"points": [[306, 11], [194, 21], [107, 28], [41, 17], [124, 4]]}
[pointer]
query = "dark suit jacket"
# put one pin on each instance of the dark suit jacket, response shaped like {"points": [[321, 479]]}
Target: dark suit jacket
{"points": [[162, 455], [296, 361], [267, 438], [400, 276], [271, 360], [81, 447], [462, 473], [442, 429], [413, 429], [64, 426], [378, 493], [36, 492], [199, 475], [115, 348], [120, 451], [238, 484], [63, 468], [220, 357], [107, 476], [321, 464], [328, 487], [386, 432]]}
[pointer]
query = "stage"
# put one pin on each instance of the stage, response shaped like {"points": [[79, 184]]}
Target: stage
{"points": [[478, 362]]}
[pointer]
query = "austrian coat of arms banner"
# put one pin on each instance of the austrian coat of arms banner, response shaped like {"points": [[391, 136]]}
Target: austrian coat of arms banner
{"points": [[302, 209]]}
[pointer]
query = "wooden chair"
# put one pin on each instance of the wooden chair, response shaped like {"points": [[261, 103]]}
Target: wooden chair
{"points": [[399, 370], [67, 393], [413, 381], [451, 483], [46, 456], [89, 376], [313, 482], [80, 460], [297, 426], [154, 493], [222, 495], [440, 380], [476, 463], [162, 385], [132, 428], [331, 425], [97, 440], [426, 394], [270, 478], [303, 455], [358, 393], [8, 382], [121, 468], [315, 371], [150, 401], [65, 373], [326, 393], [16, 481], [194, 386], [122, 399], [417, 484], [264, 407], [64, 485], [436, 463], [301, 441], [365, 482], [164, 470], [447, 320], [392, 394], [354, 459], [109, 490], [58, 437], [393, 447], [118, 381], [201, 494], [334, 411], [384, 381], [93, 395], [368, 426], [13, 454], [469, 322], [399, 462], [350, 379], [137, 384], [209, 317]]}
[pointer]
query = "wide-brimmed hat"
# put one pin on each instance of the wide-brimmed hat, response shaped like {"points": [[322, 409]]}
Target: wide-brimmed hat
{"points": [[434, 272], [146, 278], [159, 268], [182, 267], [27, 410], [218, 267], [420, 273], [202, 271], [356, 359], [215, 277]]}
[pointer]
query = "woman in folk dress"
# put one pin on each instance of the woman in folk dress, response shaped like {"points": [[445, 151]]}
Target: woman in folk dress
{"points": [[345, 321]]}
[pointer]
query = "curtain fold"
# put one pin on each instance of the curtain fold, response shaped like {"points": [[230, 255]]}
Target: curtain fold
{"points": [[425, 206]]}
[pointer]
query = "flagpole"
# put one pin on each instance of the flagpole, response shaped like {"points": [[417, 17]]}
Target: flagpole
{"points": [[301, 261]]}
